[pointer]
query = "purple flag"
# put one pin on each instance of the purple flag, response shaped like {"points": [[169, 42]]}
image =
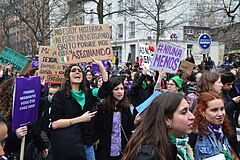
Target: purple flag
{"points": [[25, 101], [95, 68]]}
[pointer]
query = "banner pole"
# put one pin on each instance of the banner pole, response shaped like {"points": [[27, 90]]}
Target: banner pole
{"points": [[22, 148]]}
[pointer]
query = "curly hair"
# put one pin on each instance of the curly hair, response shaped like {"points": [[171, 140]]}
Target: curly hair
{"points": [[6, 97], [67, 85], [200, 123]]}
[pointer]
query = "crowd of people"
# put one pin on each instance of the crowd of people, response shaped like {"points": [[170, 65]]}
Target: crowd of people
{"points": [[93, 116]]}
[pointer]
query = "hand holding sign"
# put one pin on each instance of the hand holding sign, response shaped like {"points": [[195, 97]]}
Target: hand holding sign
{"points": [[21, 132]]}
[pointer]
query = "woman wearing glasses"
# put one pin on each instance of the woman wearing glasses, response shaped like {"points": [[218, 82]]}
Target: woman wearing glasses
{"points": [[72, 113], [175, 84]]}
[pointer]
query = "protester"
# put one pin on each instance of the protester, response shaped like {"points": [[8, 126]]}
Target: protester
{"points": [[167, 118], [71, 116], [34, 72], [97, 82], [190, 58], [232, 105], [175, 84], [212, 127], [115, 117], [3, 134], [32, 133], [138, 94], [210, 82], [89, 77], [191, 93], [234, 92], [44, 119]]}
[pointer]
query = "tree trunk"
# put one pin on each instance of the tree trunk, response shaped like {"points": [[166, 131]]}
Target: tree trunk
{"points": [[100, 11]]}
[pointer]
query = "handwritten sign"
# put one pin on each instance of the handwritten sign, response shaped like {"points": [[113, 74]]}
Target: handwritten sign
{"points": [[167, 57], [145, 56], [20, 63], [55, 78], [49, 62], [80, 43], [186, 66], [25, 101]]}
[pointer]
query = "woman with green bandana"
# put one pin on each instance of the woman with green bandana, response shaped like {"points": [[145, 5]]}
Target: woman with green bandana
{"points": [[161, 134], [72, 114]]}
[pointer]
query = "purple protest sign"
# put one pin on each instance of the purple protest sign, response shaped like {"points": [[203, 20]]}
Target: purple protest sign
{"points": [[167, 57], [95, 68], [35, 63], [25, 101]]}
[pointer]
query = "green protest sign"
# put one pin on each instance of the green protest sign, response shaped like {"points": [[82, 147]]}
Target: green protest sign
{"points": [[19, 62]]}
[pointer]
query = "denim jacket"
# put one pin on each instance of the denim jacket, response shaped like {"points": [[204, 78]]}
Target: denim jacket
{"points": [[207, 146]]}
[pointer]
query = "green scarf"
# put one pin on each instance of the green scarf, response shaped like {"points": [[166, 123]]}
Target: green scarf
{"points": [[181, 144], [79, 96], [144, 85], [49, 100]]}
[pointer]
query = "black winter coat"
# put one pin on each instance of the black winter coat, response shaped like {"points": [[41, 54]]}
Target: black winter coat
{"points": [[103, 125]]}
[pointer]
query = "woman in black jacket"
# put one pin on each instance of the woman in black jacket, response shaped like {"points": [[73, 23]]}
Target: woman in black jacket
{"points": [[114, 123], [73, 132]]}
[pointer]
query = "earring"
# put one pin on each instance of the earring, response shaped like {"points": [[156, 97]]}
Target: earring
{"points": [[169, 126]]}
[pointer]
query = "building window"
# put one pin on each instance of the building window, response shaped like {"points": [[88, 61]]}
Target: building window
{"points": [[189, 31], [110, 9], [120, 30], [189, 49], [132, 29]]}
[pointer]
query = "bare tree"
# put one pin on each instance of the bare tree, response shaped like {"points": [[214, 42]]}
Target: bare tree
{"points": [[152, 14], [36, 18], [229, 7], [101, 11]]}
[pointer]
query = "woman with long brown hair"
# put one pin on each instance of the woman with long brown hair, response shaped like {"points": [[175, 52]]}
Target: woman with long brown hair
{"points": [[167, 118], [115, 117]]}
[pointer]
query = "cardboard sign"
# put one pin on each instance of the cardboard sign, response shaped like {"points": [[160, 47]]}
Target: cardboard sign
{"points": [[25, 101], [55, 79], [167, 57], [186, 66], [49, 62], [20, 63], [80, 43]]}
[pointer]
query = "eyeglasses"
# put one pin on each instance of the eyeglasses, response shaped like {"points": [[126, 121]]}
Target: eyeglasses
{"points": [[76, 69]]}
